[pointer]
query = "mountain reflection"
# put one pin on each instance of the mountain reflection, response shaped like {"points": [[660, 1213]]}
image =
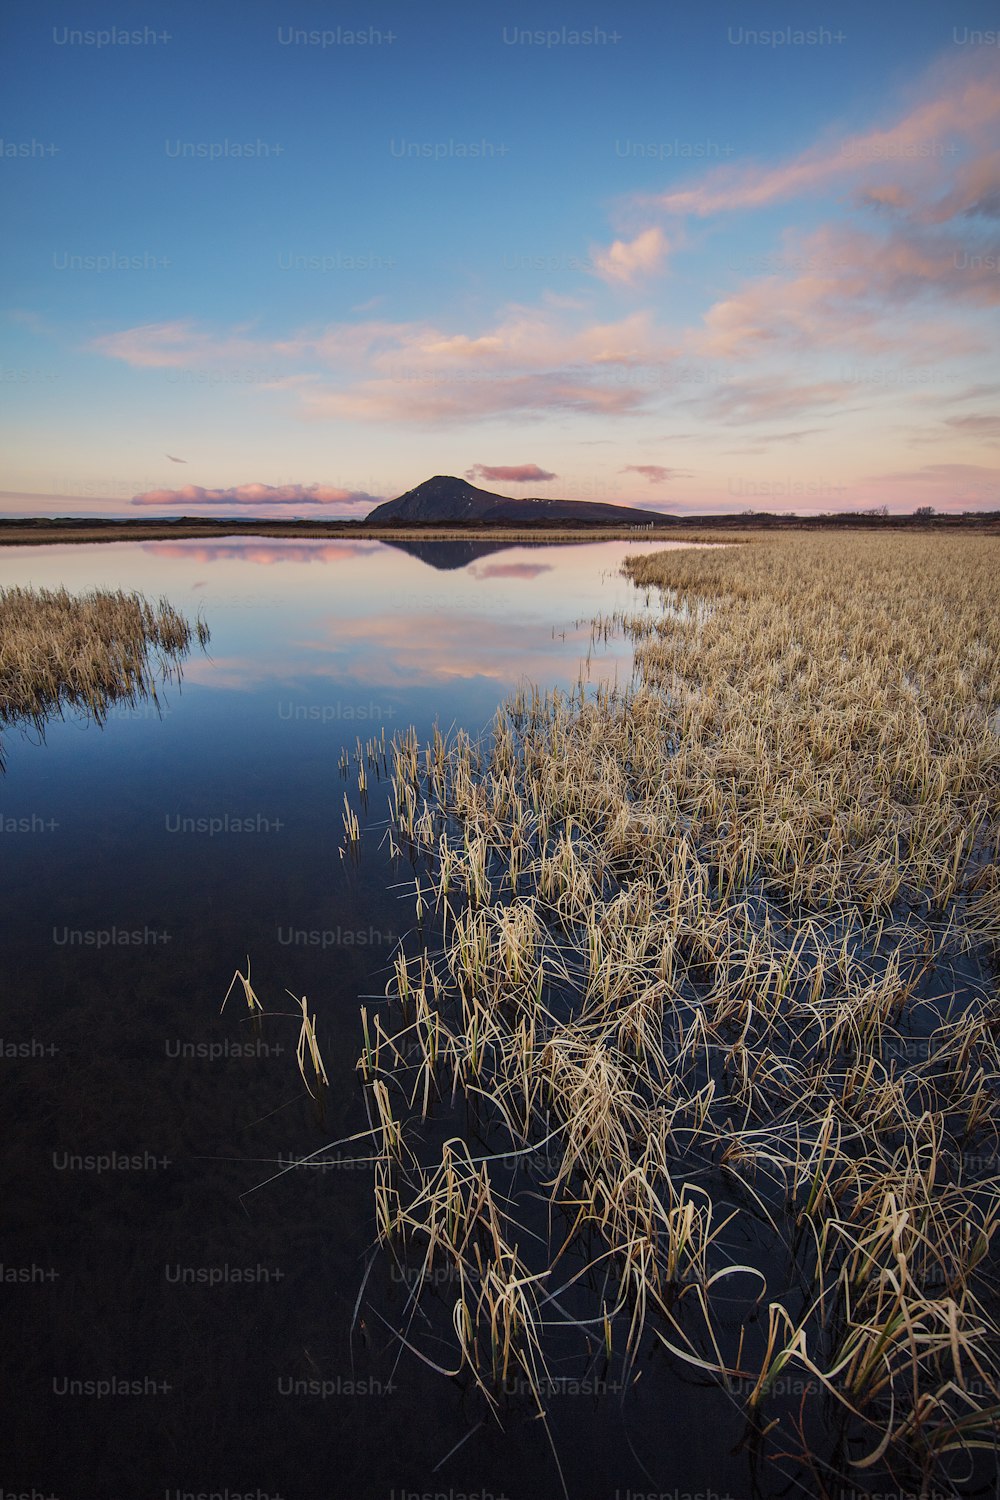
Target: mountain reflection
{"points": [[459, 554]]}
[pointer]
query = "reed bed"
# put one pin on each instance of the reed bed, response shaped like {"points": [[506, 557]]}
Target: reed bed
{"points": [[696, 1037], [87, 652]]}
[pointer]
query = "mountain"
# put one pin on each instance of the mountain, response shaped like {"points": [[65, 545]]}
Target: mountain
{"points": [[447, 499]]}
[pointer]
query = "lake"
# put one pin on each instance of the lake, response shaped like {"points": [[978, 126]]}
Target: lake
{"points": [[187, 1303]]}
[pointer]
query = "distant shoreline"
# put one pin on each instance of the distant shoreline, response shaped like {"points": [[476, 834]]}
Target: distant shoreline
{"points": [[42, 530]]}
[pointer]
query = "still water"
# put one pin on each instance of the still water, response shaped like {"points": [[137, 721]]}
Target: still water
{"points": [[181, 1291]]}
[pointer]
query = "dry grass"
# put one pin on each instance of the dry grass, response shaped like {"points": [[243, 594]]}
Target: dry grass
{"points": [[307, 1042], [53, 532], [86, 652], [722, 947]]}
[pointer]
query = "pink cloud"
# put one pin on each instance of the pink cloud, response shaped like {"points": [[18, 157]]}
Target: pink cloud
{"points": [[627, 261], [656, 473], [933, 175], [521, 340], [530, 360], [184, 343], [965, 107], [436, 400], [258, 494], [510, 474], [924, 182], [179, 344], [851, 293]]}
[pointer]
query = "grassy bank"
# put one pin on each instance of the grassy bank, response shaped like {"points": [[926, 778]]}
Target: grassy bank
{"points": [[87, 652], [41, 533], [694, 1044]]}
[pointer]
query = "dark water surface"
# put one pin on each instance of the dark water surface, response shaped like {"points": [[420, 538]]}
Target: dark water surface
{"points": [[174, 1327]]}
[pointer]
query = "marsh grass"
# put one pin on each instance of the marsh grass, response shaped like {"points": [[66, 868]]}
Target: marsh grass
{"points": [[307, 1044], [86, 652], [249, 993], [697, 1033]]}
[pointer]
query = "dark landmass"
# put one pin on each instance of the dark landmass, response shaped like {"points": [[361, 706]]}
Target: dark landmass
{"points": [[37, 530], [445, 499], [446, 508]]}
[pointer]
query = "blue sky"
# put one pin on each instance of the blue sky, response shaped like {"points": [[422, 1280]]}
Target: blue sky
{"points": [[699, 258]]}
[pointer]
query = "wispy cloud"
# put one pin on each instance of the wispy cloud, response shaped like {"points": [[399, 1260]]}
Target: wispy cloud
{"points": [[179, 343], [856, 296], [915, 204], [529, 360], [977, 424], [963, 107], [794, 436], [457, 400], [656, 473], [948, 486], [763, 400]]}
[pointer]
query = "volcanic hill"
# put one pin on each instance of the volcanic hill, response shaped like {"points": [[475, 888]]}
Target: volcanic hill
{"points": [[445, 499]]}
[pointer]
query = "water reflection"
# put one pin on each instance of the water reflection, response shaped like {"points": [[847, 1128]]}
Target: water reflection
{"points": [[87, 653], [145, 861], [457, 554], [510, 570], [263, 553], [349, 617]]}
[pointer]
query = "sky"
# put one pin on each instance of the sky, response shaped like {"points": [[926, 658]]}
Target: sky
{"points": [[271, 258]]}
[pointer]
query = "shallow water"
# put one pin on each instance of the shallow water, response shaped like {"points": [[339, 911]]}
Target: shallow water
{"points": [[176, 1322]]}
